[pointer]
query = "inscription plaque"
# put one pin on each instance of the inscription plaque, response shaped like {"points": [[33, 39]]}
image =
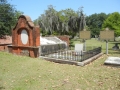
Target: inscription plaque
{"points": [[107, 35], [84, 34], [24, 36]]}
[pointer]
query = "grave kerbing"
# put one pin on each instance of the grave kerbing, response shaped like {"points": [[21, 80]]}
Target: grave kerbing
{"points": [[25, 38]]}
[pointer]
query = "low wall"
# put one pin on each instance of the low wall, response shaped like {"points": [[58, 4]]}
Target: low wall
{"points": [[24, 51], [83, 63], [4, 47], [64, 38]]}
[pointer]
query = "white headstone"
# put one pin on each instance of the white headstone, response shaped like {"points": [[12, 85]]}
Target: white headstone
{"points": [[113, 60], [24, 36], [78, 47]]}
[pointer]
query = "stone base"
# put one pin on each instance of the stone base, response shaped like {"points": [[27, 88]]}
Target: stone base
{"points": [[25, 51], [83, 63]]}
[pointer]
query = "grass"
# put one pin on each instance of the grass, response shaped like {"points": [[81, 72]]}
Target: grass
{"points": [[95, 43], [25, 73]]}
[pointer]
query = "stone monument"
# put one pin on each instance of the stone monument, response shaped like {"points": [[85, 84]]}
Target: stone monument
{"points": [[25, 38]]}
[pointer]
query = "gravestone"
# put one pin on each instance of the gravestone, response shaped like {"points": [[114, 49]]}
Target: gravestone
{"points": [[25, 38], [112, 61], [78, 47]]}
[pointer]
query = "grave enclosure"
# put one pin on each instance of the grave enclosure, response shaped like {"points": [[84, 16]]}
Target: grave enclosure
{"points": [[25, 38]]}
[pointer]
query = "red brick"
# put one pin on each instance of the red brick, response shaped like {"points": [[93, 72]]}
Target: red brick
{"points": [[64, 38], [24, 22]]}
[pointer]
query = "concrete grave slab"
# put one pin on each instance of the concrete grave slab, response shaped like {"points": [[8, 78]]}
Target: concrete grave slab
{"points": [[112, 61]]}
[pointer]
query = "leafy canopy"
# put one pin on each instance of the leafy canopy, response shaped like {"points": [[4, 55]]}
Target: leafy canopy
{"points": [[113, 23], [8, 17], [94, 22]]}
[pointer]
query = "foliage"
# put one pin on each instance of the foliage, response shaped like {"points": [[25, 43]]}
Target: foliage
{"points": [[64, 22], [94, 22], [113, 23], [8, 17], [6, 20], [69, 22]]}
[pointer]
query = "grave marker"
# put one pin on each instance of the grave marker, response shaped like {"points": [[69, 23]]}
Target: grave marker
{"points": [[78, 47], [107, 35], [25, 38], [85, 35]]}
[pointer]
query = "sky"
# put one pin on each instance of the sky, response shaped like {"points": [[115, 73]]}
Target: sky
{"points": [[34, 8]]}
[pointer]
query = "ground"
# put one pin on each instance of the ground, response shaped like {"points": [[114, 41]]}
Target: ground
{"points": [[25, 73]]}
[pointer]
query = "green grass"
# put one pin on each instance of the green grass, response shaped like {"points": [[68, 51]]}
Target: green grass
{"points": [[25, 73], [95, 43]]}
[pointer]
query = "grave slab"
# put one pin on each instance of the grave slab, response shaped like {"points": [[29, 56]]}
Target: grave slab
{"points": [[112, 61]]}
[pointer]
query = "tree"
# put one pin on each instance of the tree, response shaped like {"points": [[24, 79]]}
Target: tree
{"points": [[49, 20], [64, 22], [68, 21], [113, 23], [6, 18], [94, 23], [15, 18]]}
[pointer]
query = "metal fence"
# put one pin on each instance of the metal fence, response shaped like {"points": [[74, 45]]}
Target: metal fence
{"points": [[52, 48], [73, 55]]}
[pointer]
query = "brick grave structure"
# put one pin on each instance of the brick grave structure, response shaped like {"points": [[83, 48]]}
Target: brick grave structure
{"points": [[25, 38], [4, 42], [64, 38]]}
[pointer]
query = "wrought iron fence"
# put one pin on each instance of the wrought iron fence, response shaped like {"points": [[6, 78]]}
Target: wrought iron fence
{"points": [[48, 49], [73, 55], [90, 53]]}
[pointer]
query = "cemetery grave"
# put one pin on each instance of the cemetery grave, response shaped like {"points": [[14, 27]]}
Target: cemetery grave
{"points": [[53, 49], [56, 50]]}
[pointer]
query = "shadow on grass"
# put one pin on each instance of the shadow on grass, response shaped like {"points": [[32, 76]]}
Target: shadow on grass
{"points": [[110, 65], [110, 51], [1, 87]]}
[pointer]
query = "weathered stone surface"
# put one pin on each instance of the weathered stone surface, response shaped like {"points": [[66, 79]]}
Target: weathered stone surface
{"points": [[78, 47], [112, 61]]}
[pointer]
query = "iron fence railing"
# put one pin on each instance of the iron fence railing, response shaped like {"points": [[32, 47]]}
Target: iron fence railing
{"points": [[73, 55], [48, 49]]}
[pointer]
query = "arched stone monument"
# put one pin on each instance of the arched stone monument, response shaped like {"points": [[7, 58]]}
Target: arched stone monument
{"points": [[25, 38]]}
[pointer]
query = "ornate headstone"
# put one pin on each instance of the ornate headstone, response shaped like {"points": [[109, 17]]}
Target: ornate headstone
{"points": [[25, 38]]}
